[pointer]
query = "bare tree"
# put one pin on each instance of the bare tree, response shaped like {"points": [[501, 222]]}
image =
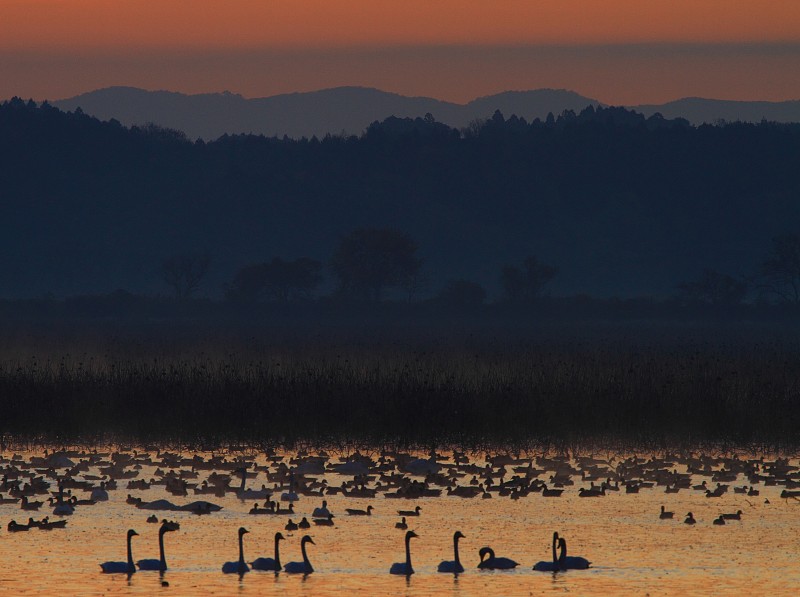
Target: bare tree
{"points": [[183, 273], [781, 270]]}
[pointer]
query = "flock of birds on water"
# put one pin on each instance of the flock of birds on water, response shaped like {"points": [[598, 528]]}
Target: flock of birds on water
{"points": [[61, 475]]}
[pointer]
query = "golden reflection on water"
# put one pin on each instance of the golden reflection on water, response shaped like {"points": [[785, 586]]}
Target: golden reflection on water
{"points": [[632, 551]]}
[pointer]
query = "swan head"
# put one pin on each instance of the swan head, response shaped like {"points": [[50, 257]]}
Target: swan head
{"points": [[410, 535], [486, 551], [279, 536], [131, 533], [307, 539], [370, 508], [242, 531], [459, 535]]}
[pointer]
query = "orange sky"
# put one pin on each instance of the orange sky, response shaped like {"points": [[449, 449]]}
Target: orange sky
{"points": [[55, 48]]}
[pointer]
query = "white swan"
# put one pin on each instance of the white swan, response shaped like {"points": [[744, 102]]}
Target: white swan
{"points": [[273, 564], [405, 567], [454, 566], [161, 563], [494, 563], [122, 567], [571, 562], [552, 566], [239, 567], [303, 567]]}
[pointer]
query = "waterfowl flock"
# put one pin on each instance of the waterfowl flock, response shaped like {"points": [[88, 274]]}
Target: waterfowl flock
{"points": [[67, 482]]}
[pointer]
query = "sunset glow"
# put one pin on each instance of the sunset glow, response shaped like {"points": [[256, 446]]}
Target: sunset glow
{"points": [[451, 49]]}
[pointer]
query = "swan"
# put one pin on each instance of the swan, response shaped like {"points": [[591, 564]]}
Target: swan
{"points": [[303, 567], [322, 512], [239, 567], [665, 515], [454, 566], [251, 494], [270, 563], [571, 562], [552, 566], [121, 567], [405, 567], [161, 563], [493, 563]]}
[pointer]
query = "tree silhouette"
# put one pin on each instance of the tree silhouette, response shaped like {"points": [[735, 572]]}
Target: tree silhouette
{"points": [[183, 273], [526, 284], [781, 270], [369, 260]]}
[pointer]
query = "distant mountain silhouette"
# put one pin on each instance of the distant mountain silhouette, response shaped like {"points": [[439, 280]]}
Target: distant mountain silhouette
{"points": [[349, 109], [698, 110]]}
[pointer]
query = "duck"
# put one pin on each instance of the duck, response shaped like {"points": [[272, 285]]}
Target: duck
{"points": [[303, 567], [494, 563], [665, 515], [414, 512], [355, 512], [545, 566], [454, 566], [291, 526], [161, 563], [271, 564], [720, 520], [402, 525], [570, 562], [239, 567], [405, 568], [122, 567], [735, 516], [304, 524], [689, 519]]}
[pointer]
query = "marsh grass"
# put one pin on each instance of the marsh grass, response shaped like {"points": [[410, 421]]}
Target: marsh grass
{"points": [[740, 391]]}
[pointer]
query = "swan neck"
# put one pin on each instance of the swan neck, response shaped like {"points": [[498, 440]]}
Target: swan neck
{"points": [[130, 553], [455, 549], [305, 555], [161, 550], [555, 556], [241, 549], [277, 554], [408, 552]]}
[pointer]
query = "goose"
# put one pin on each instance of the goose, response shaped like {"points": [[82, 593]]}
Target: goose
{"points": [[689, 519], [122, 567], [494, 563], [719, 520], [303, 567], [405, 568], [322, 512], [552, 566], [270, 563], [354, 512], [289, 510], [414, 512], [239, 567], [454, 566], [665, 515], [402, 525], [570, 562], [161, 563], [15, 527], [26, 505], [304, 524], [736, 516]]}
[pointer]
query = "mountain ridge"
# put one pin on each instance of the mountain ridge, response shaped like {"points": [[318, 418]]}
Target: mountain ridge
{"points": [[351, 109]]}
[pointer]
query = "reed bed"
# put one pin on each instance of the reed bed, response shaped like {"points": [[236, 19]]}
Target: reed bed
{"points": [[471, 392]]}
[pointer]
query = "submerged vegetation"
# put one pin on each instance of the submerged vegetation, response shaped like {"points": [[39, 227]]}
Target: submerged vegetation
{"points": [[657, 389]]}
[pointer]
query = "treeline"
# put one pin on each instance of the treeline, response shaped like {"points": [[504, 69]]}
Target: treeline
{"points": [[619, 204]]}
